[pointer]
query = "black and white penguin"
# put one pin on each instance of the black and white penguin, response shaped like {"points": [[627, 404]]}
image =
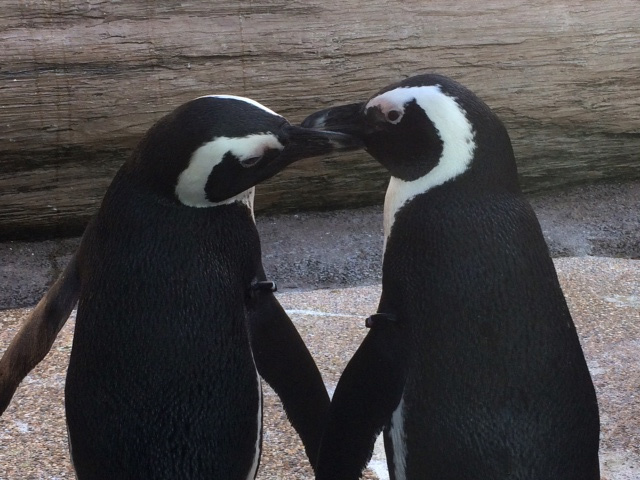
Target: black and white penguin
{"points": [[176, 320], [472, 367]]}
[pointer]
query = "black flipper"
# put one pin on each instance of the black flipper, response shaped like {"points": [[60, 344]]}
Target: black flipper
{"points": [[369, 390], [35, 338], [285, 363]]}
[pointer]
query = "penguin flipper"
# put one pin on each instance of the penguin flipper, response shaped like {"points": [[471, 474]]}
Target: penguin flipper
{"points": [[285, 363], [35, 338], [368, 392]]}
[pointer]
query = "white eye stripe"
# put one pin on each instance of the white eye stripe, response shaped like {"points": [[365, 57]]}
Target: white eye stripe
{"points": [[243, 99], [387, 105], [253, 146], [458, 145], [397, 98], [190, 188]]}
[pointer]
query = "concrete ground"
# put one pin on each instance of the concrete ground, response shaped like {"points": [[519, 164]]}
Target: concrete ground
{"points": [[328, 267]]}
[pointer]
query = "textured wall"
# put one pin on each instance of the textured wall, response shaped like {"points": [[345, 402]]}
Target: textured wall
{"points": [[81, 81]]}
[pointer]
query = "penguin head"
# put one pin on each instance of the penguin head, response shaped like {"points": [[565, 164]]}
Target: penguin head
{"points": [[427, 127], [213, 149]]}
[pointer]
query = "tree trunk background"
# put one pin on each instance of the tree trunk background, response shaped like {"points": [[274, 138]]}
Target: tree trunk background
{"points": [[82, 80]]}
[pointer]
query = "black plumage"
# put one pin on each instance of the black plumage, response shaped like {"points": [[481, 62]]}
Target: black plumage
{"points": [[490, 380]]}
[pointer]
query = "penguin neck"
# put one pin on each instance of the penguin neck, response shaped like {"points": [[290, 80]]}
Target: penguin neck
{"points": [[245, 198], [476, 174], [165, 195], [127, 187], [399, 191]]}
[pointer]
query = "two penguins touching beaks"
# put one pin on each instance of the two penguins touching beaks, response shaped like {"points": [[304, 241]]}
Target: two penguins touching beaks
{"points": [[472, 368]]}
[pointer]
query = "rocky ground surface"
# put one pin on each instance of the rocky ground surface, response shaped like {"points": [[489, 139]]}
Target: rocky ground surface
{"points": [[328, 267]]}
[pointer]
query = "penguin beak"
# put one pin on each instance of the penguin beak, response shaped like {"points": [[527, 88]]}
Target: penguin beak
{"points": [[348, 119], [302, 142]]}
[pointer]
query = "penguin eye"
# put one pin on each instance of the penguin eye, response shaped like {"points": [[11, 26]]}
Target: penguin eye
{"points": [[251, 161], [393, 115], [383, 114]]}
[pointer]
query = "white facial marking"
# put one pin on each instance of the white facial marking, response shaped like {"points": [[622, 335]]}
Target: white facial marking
{"points": [[192, 181], [244, 99], [458, 144], [398, 439]]}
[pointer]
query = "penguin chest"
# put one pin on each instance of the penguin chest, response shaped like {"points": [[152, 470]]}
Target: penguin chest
{"points": [[165, 412], [162, 384]]}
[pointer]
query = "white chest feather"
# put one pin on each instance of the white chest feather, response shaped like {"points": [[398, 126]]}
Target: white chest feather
{"points": [[398, 440], [253, 470]]}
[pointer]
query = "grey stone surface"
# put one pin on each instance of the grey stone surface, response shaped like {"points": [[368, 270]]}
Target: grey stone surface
{"points": [[603, 295], [328, 268], [344, 248]]}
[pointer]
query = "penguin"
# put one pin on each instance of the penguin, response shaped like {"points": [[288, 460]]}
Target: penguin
{"points": [[472, 367], [176, 320]]}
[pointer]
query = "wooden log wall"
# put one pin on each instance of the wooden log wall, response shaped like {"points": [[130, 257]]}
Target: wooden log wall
{"points": [[80, 81]]}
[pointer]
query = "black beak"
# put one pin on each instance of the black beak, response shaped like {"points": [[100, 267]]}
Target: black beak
{"points": [[348, 119], [302, 142]]}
